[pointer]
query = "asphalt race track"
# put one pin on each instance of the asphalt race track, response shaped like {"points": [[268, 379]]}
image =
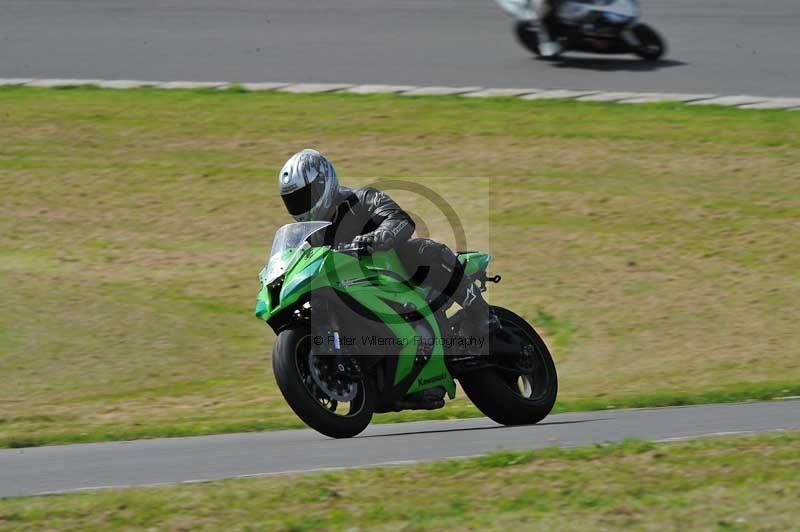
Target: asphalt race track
{"points": [[146, 462], [717, 46]]}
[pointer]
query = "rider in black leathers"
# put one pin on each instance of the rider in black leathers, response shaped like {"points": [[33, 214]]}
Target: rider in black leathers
{"points": [[310, 190]]}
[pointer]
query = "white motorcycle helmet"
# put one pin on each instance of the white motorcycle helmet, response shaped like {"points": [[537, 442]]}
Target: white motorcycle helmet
{"points": [[309, 186]]}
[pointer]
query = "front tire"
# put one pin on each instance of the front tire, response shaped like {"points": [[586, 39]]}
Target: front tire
{"points": [[528, 37], [652, 46], [515, 398], [291, 364]]}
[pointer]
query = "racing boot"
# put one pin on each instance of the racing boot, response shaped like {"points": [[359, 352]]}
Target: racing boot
{"points": [[429, 399], [548, 47]]}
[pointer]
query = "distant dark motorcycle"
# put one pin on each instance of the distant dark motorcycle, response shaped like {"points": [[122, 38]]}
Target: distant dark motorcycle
{"points": [[594, 26]]}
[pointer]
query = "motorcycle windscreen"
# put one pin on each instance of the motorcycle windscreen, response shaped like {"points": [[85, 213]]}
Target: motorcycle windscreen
{"points": [[288, 241]]}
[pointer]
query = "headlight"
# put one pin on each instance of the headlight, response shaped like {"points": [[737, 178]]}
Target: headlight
{"points": [[264, 276]]}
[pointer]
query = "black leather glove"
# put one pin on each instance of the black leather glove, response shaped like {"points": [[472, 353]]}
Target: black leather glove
{"points": [[376, 240]]}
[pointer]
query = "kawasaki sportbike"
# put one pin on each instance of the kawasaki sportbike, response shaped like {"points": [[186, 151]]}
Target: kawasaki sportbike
{"points": [[355, 337], [595, 26]]}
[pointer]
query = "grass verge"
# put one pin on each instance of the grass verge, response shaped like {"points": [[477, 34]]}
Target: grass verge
{"points": [[653, 245], [742, 483]]}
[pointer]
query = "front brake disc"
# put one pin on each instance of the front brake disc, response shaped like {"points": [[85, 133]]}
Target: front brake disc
{"points": [[331, 386]]}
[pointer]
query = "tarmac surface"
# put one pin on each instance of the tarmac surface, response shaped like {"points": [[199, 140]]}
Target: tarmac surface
{"points": [[716, 46], [174, 460]]}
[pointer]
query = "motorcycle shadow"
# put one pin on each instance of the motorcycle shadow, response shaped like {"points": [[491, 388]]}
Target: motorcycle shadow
{"points": [[471, 429], [613, 64]]}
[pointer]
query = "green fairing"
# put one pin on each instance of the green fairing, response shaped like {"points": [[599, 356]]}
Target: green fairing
{"points": [[303, 277], [321, 267], [474, 261], [262, 303]]}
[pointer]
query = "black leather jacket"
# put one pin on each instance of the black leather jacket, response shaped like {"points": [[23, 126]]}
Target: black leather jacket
{"points": [[363, 211]]}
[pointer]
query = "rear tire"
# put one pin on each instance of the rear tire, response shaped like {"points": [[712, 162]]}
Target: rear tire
{"points": [[652, 46], [290, 357], [497, 393], [528, 37]]}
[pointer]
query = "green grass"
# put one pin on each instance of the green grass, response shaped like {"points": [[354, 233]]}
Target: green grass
{"points": [[654, 246], [742, 483]]}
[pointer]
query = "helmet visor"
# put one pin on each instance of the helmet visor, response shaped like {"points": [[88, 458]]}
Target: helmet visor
{"points": [[303, 199]]}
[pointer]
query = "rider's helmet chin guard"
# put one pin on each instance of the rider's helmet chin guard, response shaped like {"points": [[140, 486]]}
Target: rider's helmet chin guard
{"points": [[308, 186]]}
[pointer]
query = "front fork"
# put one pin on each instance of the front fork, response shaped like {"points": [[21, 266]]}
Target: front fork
{"points": [[628, 36], [345, 364]]}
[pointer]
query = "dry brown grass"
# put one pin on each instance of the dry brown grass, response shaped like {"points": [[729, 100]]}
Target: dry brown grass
{"points": [[658, 245]]}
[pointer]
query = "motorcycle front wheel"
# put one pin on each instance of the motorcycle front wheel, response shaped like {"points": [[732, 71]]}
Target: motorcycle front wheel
{"points": [[335, 408], [652, 46], [528, 37], [521, 397]]}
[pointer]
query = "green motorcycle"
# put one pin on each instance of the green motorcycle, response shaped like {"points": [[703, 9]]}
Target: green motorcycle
{"points": [[355, 337]]}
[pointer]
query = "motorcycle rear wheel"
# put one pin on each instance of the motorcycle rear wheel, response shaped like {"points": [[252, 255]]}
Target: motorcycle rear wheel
{"points": [[291, 360], [515, 398]]}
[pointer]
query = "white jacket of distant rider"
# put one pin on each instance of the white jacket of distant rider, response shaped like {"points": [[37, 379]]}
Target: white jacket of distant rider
{"points": [[523, 10]]}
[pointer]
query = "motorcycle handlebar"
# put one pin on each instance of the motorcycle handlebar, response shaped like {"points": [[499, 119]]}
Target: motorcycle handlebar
{"points": [[352, 248]]}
